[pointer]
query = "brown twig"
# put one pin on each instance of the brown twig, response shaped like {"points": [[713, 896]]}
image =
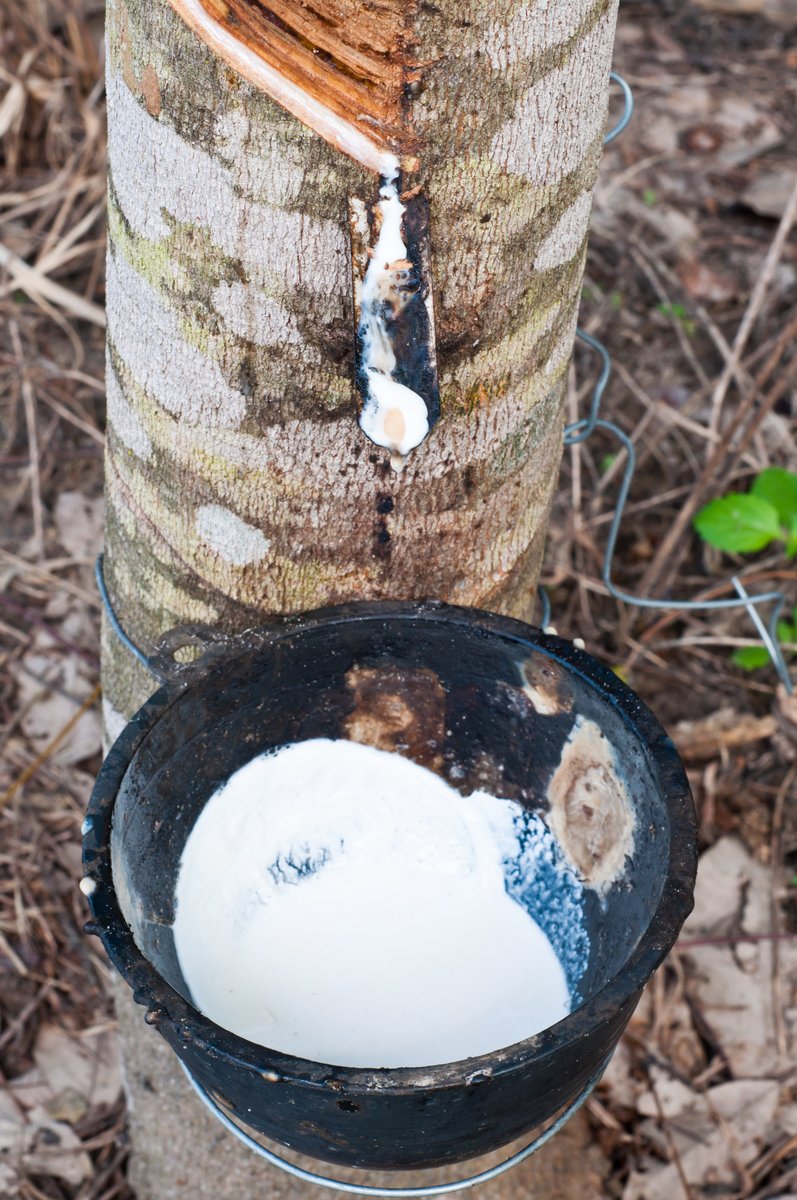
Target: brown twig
{"points": [[688, 1194], [33, 441], [41, 571], [776, 858], [669, 553], [753, 308], [40, 287], [649, 272], [51, 747], [712, 329]]}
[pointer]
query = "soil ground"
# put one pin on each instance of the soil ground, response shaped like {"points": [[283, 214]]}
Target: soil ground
{"points": [[691, 282]]}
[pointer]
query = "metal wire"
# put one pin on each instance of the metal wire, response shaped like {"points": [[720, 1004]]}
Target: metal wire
{"points": [[580, 430], [744, 600], [366, 1189], [771, 643], [113, 620], [628, 111], [545, 604]]}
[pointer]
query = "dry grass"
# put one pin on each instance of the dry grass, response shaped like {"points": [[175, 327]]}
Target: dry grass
{"points": [[52, 190], [692, 290]]}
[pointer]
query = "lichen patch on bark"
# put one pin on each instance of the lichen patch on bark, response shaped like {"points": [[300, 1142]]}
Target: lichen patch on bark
{"points": [[148, 338], [228, 536], [160, 179], [591, 812]]}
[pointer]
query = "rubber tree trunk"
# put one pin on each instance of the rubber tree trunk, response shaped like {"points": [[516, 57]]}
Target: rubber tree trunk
{"points": [[238, 481]]}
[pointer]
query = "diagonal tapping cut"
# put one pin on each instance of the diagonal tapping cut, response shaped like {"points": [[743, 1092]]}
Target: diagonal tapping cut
{"points": [[343, 68]]}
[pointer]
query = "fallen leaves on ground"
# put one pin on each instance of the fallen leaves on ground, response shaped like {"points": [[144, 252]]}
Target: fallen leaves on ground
{"points": [[708, 1068]]}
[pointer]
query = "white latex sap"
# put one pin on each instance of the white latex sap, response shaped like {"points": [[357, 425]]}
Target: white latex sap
{"points": [[393, 416], [348, 906]]}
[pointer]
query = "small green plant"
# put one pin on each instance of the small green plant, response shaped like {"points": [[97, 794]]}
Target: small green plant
{"points": [[745, 522], [750, 658], [680, 314]]}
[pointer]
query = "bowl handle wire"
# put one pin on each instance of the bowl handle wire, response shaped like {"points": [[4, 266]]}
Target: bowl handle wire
{"points": [[364, 1189]]}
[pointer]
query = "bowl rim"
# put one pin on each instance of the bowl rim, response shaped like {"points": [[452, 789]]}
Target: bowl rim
{"points": [[171, 1012]]}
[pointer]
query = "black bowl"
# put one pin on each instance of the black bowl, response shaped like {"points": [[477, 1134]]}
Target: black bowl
{"points": [[485, 701]]}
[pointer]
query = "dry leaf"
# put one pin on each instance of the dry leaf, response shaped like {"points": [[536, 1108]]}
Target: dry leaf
{"points": [[30, 1090], [730, 129], [12, 1124], [780, 12], [709, 736], [744, 130], [768, 194], [704, 283], [89, 1066], [713, 1133], [9, 1181], [52, 1148], [673, 1097], [618, 1082], [730, 982], [50, 687], [80, 523], [39, 1145], [69, 1105]]}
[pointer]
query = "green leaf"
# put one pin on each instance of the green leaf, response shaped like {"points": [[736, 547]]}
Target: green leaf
{"points": [[779, 487], [750, 658], [791, 544], [739, 524], [786, 632]]}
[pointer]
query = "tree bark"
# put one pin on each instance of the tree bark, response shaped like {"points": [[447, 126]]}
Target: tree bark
{"points": [[238, 480]]}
